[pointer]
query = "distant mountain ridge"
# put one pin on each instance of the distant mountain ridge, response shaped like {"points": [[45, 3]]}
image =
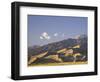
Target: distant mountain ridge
{"points": [[82, 39]]}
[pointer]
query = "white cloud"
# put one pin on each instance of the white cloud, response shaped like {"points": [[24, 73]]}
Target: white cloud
{"points": [[48, 37], [56, 34], [45, 35], [77, 37], [63, 35], [41, 37]]}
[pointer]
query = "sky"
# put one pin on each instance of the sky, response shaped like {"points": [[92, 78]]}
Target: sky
{"points": [[44, 29]]}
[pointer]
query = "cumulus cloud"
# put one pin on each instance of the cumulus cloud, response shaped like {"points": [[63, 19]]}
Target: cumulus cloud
{"points": [[56, 34], [45, 35], [48, 37], [63, 35], [41, 37]]}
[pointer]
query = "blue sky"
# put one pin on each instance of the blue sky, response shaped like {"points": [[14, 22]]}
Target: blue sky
{"points": [[47, 29]]}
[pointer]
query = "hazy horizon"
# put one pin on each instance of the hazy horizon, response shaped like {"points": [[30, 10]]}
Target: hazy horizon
{"points": [[47, 29]]}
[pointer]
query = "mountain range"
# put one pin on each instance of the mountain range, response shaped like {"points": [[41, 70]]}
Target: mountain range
{"points": [[68, 50]]}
